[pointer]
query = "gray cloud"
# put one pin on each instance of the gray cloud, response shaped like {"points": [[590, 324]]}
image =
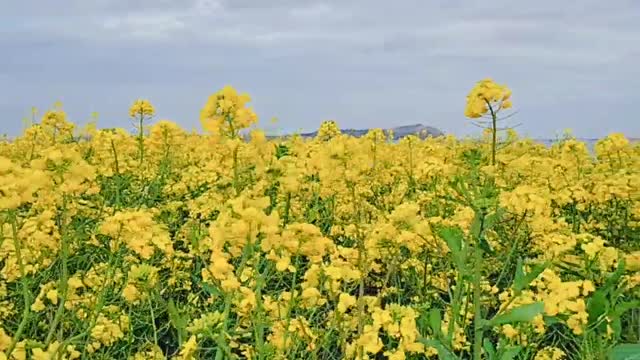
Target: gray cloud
{"points": [[363, 62]]}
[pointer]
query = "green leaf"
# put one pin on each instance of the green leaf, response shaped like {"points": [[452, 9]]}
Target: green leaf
{"points": [[551, 320], [435, 322], [523, 313], [614, 279], [623, 307], [494, 218], [616, 326], [476, 225], [489, 349], [625, 352], [599, 304], [281, 151], [443, 352], [482, 222], [211, 290], [178, 321], [616, 314], [523, 280], [454, 236], [518, 280], [485, 246], [510, 353]]}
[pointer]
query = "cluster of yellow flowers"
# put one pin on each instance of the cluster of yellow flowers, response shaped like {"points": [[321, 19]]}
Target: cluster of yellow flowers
{"points": [[487, 96], [332, 247], [55, 123], [328, 129], [17, 186], [141, 108], [139, 232], [226, 112]]}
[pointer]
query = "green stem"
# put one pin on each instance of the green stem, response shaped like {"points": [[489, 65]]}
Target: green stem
{"points": [[117, 174], [477, 293], [25, 289], [33, 147], [512, 251], [64, 281], [375, 153], [153, 322], [287, 209], [455, 307], [97, 309], [141, 138], [294, 283], [236, 173], [232, 129], [115, 157], [361, 265], [223, 348], [424, 274], [259, 321], [494, 133], [220, 341]]}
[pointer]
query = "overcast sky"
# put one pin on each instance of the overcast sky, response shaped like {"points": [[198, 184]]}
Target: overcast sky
{"points": [[365, 63]]}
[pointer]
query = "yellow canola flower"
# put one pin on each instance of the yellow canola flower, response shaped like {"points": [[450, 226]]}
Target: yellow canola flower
{"points": [[244, 233], [345, 302], [139, 232], [18, 185], [48, 354], [550, 353], [226, 113], [487, 96], [141, 108], [188, 349], [328, 130], [5, 340]]}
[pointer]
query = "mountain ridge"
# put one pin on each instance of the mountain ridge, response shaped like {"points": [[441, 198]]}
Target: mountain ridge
{"points": [[399, 132]]}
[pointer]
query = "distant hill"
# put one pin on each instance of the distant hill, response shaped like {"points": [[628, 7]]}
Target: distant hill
{"points": [[590, 143], [399, 132]]}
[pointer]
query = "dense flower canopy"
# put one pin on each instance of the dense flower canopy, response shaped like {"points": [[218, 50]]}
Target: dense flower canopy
{"points": [[226, 112], [141, 108], [326, 248], [487, 96]]}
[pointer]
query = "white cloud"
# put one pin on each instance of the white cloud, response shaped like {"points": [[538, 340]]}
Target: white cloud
{"points": [[144, 26], [208, 7], [312, 11], [371, 56]]}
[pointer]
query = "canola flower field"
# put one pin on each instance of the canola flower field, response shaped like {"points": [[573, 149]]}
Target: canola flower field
{"points": [[166, 244]]}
